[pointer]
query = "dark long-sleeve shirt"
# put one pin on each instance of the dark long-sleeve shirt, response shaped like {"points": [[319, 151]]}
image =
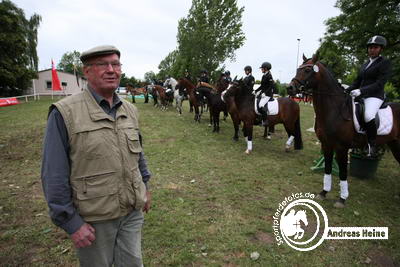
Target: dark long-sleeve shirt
{"points": [[56, 168]]}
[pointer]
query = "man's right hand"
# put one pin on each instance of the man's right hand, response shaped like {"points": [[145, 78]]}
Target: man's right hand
{"points": [[84, 236]]}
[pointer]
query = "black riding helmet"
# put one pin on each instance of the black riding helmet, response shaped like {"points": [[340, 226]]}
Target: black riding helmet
{"points": [[248, 68], [266, 65], [204, 71], [377, 40], [227, 73]]}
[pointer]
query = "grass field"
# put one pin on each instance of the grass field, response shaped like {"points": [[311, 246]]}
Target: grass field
{"points": [[212, 204]]}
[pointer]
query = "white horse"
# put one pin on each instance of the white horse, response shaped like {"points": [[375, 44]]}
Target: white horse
{"points": [[291, 223], [178, 98]]}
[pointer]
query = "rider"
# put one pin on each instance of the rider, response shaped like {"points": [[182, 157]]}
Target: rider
{"points": [[249, 79], [266, 89], [204, 80], [370, 84], [228, 76]]}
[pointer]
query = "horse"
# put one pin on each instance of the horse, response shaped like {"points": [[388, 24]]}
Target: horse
{"points": [[194, 98], [178, 95], [164, 96], [290, 223], [242, 99], [215, 102], [334, 125]]}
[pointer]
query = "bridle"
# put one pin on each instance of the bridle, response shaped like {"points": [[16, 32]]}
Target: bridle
{"points": [[305, 83]]}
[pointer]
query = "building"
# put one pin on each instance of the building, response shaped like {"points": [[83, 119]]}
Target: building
{"points": [[69, 83]]}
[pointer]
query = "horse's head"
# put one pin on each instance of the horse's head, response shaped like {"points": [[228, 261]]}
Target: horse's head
{"points": [[302, 216], [306, 76]]}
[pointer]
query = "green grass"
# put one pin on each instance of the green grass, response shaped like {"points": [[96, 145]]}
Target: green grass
{"points": [[212, 204]]}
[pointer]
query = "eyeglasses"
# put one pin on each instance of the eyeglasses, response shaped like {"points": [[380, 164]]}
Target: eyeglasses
{"points": [[104, 65]]}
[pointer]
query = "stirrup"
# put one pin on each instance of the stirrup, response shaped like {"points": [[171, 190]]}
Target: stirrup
{"points": [[371, 151]]}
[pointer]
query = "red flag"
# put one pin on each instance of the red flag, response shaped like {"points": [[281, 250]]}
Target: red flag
{"points": [[55, 82]]}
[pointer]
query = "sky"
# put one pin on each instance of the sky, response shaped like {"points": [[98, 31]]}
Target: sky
{"points": [[145, 31]]}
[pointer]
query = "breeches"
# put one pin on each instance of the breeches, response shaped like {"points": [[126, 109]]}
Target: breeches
{"points": [[372, 105], [117, 242]]}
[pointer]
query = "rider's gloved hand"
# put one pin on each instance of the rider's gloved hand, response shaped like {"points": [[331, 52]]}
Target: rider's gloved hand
{"points": [[355, 92]]}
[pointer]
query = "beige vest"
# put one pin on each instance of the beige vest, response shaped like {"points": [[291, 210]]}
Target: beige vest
{"points": [[105, 178]]}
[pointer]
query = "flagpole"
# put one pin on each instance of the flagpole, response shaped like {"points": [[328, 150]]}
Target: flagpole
{"points": [[34, 89]]}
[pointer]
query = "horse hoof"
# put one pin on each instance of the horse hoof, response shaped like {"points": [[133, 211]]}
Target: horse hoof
{"points": [[247, 152], [287, 148], [320, 196], [209, 125], [340, 204]]}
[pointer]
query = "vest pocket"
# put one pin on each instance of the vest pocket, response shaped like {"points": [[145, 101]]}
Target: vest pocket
{"points": [[96, 196], [132, 137], [137, 190]]}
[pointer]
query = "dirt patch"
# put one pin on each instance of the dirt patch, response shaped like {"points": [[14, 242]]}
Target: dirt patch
{"points": [[377, 257], [164, 140], [263, 238]]}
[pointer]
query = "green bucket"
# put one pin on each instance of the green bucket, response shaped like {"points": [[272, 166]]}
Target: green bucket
{"points": [[363, 168]]}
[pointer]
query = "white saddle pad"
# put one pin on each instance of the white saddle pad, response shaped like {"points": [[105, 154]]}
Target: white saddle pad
{"points": [[385, 121], [273, 107]]}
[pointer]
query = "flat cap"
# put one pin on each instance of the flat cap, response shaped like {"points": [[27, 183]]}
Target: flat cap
{"points": [[99, 51]]}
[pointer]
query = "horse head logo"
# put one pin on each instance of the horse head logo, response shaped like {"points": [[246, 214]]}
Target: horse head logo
{"points": [[291, 225]]}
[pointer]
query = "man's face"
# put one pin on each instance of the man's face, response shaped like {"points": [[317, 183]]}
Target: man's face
{"points": [[374, 51], [263, 70], [103, 73]]}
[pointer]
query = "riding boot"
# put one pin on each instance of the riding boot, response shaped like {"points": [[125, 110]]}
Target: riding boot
{"points": [[371, 137], [264, 115]]}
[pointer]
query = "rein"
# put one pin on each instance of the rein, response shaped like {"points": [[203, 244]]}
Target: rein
{"points": [[305, 82]]}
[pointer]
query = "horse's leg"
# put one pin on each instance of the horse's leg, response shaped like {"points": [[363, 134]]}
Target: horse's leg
{"points": [[225, 114], [216, 120], [133, 99], [267, 132], [249, 133], [341, 158], [328, 156], [395, 148]]}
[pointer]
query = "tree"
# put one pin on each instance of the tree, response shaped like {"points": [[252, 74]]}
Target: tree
{"points": [[347, 34], [70, 62], [150, 77], [126, 80], [18, 39], [207, 37]]}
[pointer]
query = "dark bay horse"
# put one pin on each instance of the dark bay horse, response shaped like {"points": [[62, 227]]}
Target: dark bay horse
{"points": [[193, 95], [289, 115], [334, 124], [215, 102]]}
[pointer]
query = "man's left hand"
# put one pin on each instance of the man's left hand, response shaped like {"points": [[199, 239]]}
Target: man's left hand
{"points": [[355, 93], [147, 205]]}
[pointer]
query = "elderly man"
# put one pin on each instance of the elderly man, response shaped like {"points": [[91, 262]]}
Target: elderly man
{"points": [[94, 173]]}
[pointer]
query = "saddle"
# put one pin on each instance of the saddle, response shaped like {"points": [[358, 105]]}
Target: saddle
{"points": [[262, 101], [383, 119], [169, 92]]}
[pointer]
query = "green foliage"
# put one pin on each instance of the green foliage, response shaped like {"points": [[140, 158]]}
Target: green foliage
{"points": [[206, 38], [150, 77], [344, 44], [18, 40], [132, 81], [281, 87], [391, 92], [70, 62]]}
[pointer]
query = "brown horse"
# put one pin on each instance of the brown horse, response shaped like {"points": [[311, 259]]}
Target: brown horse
{"points": [[194, 98], [334, 124], [243, 98], [165, 98]]}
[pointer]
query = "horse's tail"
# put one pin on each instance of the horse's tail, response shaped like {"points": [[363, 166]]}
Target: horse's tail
{"points": [[298, 141]]}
